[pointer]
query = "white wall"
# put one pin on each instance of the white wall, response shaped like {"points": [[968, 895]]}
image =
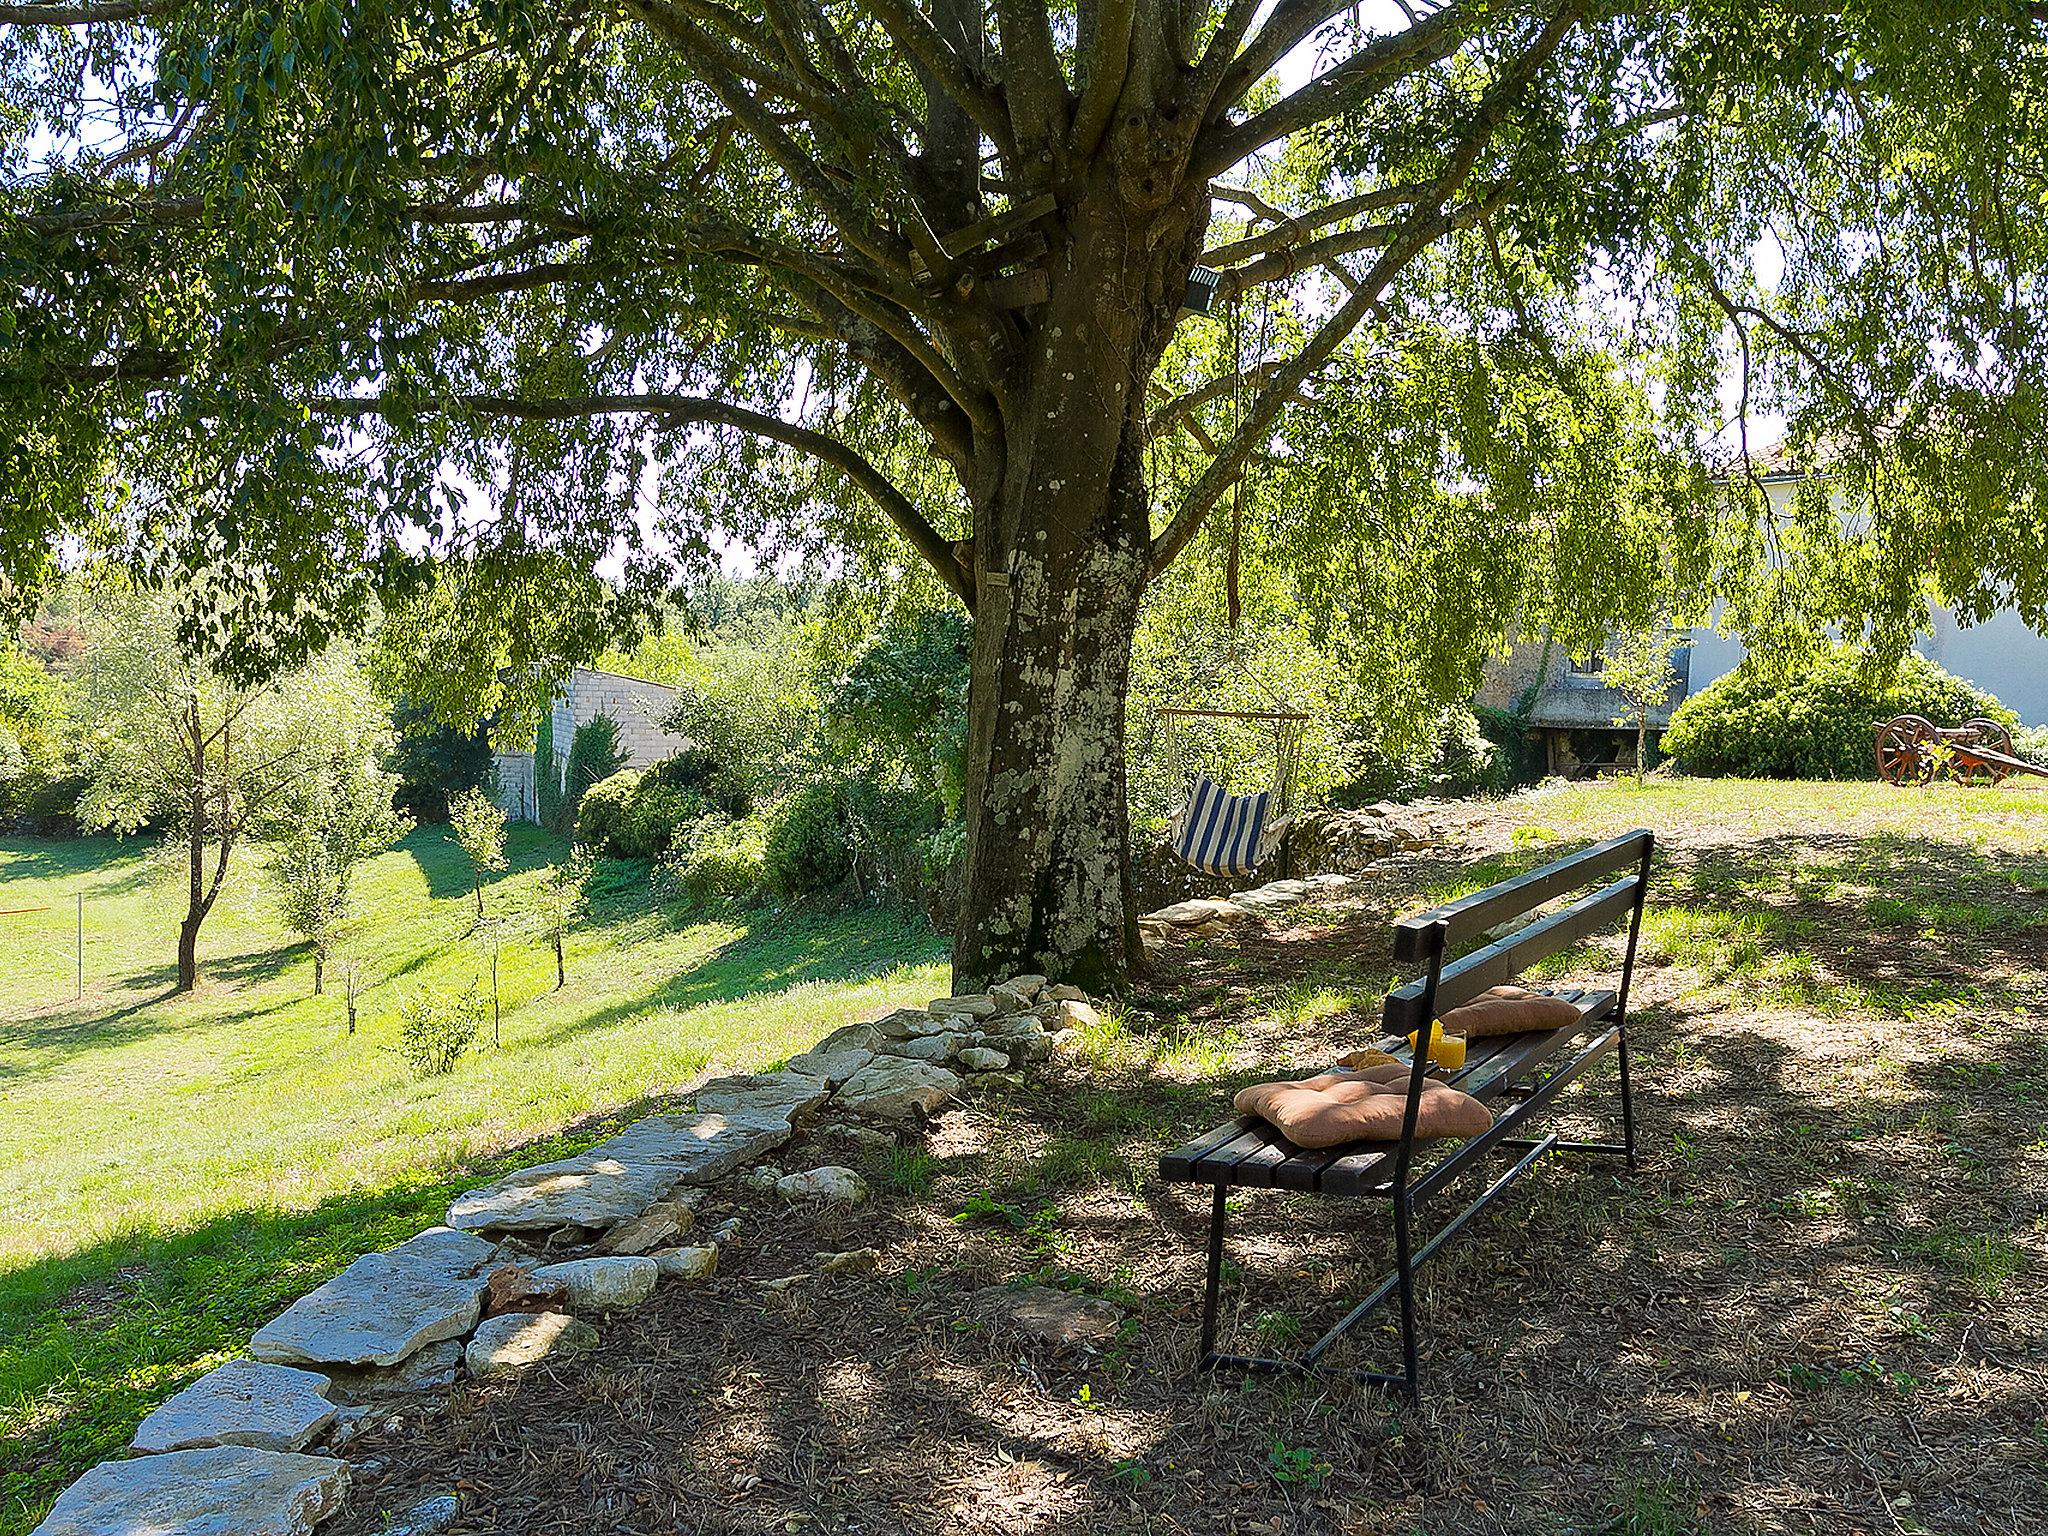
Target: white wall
{"points": [[2002, 655]]}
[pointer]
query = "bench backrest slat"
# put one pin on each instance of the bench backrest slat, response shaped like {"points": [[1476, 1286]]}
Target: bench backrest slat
{"points": [[1464, 979], [1470, 916]]}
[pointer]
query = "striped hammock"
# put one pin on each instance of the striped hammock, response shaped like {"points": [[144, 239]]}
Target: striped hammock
{"points": [[1225, 834]]}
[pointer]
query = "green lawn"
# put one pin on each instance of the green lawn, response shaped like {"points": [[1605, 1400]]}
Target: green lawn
{"points": [[173, 1169]]}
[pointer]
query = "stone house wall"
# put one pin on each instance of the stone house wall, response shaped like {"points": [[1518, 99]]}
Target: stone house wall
{"points": [[635, 705]]}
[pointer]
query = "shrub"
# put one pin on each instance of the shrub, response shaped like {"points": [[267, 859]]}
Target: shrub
{"points": [[594, 756], [808, 853], [657, 818], [2031, 743], [434, 762], [1818, 721], [1454, 759], [711, 774], [724, 864], [435, 1032], [601, 813]]}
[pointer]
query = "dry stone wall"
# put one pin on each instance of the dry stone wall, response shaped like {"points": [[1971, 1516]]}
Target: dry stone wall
{"points": [[530, 1264]]}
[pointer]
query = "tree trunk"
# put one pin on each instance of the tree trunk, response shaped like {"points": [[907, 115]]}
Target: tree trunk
{"points": [[319, 972], [195, 868], [561, 969], [1062, 543]]}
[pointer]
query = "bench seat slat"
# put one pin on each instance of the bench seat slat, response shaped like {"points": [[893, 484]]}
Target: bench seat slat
{"points": [[1250, 1153]]}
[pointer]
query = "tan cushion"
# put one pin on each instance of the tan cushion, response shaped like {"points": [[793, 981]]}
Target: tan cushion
{"points": [[1509, 1011], [1335, 1107]]}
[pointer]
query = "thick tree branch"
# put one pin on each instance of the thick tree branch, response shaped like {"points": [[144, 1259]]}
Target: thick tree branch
{"points": [[1380, 65], [938, 59], [1200, 92], [692, 410], [1289, 228], [1032, 81], [1109, 65], [1427, 223]]}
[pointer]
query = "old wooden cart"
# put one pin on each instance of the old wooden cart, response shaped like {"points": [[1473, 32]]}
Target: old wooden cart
{"points": [[1911, 749]]}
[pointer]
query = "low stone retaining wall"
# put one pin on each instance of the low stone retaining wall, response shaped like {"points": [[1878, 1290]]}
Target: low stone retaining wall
{"points": [[257, 1445]]}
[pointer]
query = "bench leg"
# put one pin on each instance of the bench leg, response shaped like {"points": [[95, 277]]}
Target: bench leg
{"points": [[1404, 1270], [1216, 1220], [1628, 1108]]}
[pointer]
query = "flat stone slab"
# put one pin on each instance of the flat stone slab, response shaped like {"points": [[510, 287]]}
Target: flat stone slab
{"points": [[518, 1341], [834, 1064], [384, 1306], [790, 1094], [429, 1369], [617, 1180], [244, 1402], [1056, 1318], [1200, 909], [224, 1490]]}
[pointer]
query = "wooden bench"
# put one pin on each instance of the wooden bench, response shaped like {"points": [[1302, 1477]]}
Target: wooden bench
{"points": [[1517, 1076]]}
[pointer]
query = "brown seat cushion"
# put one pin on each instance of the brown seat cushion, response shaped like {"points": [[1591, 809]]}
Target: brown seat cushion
{"points": [[1335, 1107], [1509, 1011]]}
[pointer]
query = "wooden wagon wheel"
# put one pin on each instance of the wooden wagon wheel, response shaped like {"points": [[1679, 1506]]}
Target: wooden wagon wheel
{"points": [[1902, 756], [1991, 734]]}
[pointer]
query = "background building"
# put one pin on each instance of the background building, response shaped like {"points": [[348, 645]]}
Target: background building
{"points": [[636, 706]]}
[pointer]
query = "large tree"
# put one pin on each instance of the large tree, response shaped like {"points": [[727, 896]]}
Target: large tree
{"points": [[340, 286]]}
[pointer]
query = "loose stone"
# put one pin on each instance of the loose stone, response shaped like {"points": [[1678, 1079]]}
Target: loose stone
{"points": [[518, 1341], [223, 1490], [979, 1058], [687, 1263], [856, 1261], [836, 1186], [429, 1517], [661, 1221], [1065, 993], [890, 1088], [601, 1285], [244, 1402]]}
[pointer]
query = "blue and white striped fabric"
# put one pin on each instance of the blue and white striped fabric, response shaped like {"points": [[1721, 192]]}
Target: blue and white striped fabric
{"points": [[1219, 832]]}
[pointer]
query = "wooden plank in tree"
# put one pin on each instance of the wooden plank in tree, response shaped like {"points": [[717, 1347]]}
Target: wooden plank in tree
{"points": [[997, 225], [1018, 290]]}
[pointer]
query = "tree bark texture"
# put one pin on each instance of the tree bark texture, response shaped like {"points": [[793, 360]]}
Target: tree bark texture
{"points": [[1063, 535]]}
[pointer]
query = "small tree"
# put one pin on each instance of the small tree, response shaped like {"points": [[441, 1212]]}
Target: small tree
{"points": [[173, 744], [354, 978], [559, 902], [480, 828], [1640, 670], [341, 815]]}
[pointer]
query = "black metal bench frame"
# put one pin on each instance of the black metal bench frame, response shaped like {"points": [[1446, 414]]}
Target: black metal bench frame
{"points": [[1518, 1076]]}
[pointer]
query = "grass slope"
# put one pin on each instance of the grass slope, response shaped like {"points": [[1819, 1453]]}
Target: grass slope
{"points": [[174, 1169]]}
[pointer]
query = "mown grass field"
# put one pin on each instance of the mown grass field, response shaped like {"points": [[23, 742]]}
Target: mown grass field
{"points": [[173, 1169]]}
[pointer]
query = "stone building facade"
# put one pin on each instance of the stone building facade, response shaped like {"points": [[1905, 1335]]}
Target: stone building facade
{"points": [[636, 706]]}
